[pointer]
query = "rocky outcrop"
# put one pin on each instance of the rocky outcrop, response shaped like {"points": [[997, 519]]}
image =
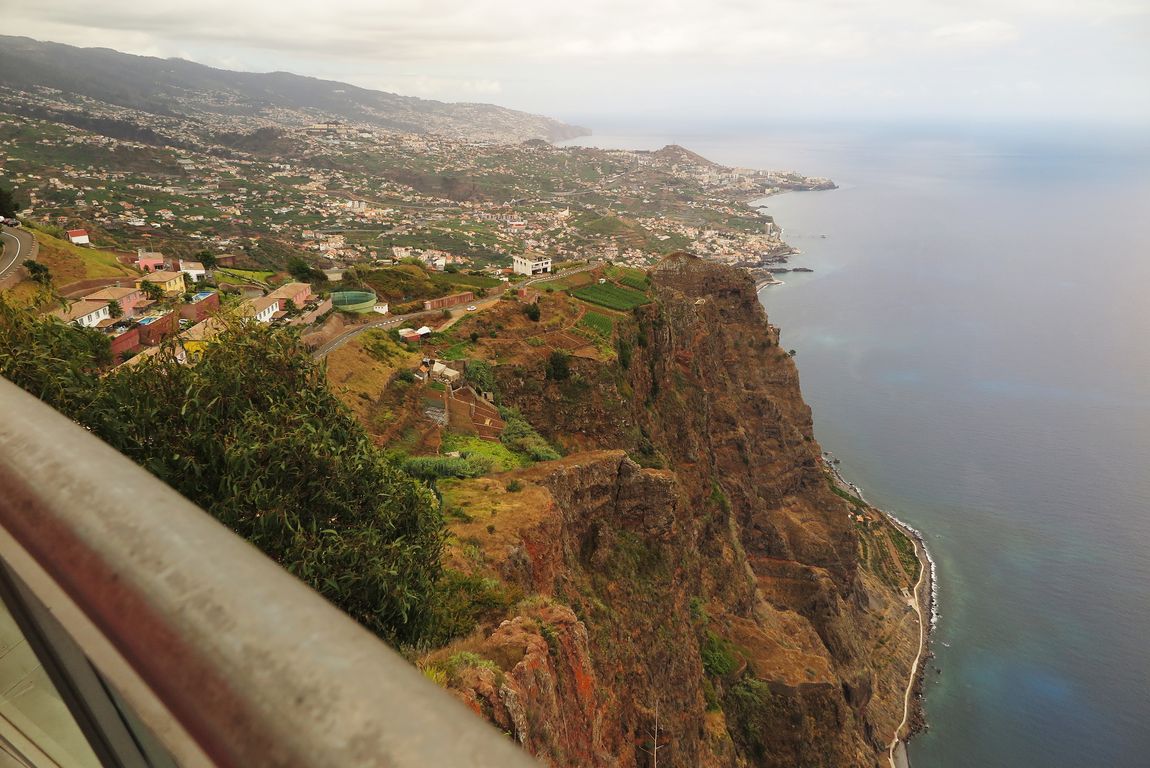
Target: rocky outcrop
{"points": [[715, 593]]}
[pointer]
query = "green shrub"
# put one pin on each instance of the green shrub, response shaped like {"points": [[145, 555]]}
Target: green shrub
{"points": [[480, 375], [719, 659], [461, 601], [435, 467], [521, 437], [253, 435], [558, 367]]}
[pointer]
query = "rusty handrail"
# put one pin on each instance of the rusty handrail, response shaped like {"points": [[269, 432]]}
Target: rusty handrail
{"points": [[230, 660]]}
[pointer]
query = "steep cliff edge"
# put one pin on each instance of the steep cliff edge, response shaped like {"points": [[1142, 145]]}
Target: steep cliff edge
{"points": [[687, 570]]}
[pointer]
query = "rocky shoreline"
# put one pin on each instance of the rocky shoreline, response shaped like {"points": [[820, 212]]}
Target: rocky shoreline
{"points": [[926, 597]]}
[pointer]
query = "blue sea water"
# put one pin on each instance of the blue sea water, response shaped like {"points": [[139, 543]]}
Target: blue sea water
{"points": [[975, 344]]}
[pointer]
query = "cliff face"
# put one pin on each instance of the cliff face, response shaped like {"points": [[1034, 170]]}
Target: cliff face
{"points": [[716, 595]]}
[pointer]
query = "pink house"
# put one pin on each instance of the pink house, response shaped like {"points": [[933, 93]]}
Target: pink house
{"points": [[298, 293], [127, 298], [149, 261]]}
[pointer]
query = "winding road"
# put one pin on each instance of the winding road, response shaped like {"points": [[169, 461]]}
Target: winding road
{"points": [[17, 247]]}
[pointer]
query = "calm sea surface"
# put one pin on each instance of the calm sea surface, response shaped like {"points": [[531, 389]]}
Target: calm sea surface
{"points": [[975, 343]]}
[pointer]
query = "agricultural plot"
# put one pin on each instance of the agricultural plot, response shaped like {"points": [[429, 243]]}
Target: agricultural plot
{"points": [[464, 281], [599, 323], [611, 296], [630, 277], [576, 280]]}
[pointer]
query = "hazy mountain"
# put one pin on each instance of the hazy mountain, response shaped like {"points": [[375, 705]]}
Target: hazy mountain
{"points": [[177, 87]]}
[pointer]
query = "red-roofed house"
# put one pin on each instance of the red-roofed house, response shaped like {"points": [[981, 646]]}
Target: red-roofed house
{"points": [[78, 236]]}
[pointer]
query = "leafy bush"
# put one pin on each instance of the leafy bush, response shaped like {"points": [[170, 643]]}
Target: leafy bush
{"points": [[718, 658], [558, 366], [521, 437], [623, 348], [253, 435], [463, 600], [480, 375], [532, 311], [435, 467]]}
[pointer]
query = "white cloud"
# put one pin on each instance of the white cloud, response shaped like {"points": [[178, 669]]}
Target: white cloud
{"points": [[977, 33], [711, 57]]}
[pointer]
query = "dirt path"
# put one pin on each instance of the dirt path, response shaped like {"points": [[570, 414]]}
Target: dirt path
{"points": [[915, 601]]}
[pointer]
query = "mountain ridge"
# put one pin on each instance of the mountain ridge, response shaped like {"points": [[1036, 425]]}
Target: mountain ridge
{"points": [[177, 86]]}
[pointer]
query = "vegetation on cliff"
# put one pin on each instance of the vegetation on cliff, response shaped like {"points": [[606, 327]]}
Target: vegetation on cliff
{"points": [[686, 554], [637, 534]]}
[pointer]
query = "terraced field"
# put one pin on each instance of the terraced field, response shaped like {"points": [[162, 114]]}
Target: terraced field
{"points": [[599, 323], [611, 296]]}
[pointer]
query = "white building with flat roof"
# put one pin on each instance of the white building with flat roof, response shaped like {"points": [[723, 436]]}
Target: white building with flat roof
{"points": [[531, 264]]}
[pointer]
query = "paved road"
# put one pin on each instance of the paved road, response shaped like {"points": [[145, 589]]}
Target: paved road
{"points": [[17, 247], [383, 321], [386, 321]]}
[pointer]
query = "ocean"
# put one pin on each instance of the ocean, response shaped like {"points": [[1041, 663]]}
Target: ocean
{"points": [[975, 344]]}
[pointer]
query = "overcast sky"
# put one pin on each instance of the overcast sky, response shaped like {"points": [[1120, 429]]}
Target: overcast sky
{"points": [[709, 62]]}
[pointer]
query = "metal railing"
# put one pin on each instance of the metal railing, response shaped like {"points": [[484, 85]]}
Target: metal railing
{"points": [[225, 657]]}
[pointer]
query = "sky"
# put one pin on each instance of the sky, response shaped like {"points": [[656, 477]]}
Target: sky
{"points": [[707, 62]]}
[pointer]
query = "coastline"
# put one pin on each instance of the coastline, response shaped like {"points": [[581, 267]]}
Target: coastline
{"points": [[925, 603], [924, 599]]}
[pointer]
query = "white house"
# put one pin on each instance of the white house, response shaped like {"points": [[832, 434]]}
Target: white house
{"points": [[444, 373], [265, 308], [531, 264], [194, 270], [78, 236], [85, 313]]}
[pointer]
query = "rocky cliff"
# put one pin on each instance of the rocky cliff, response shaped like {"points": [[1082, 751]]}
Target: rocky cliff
{"points": [[689, 580]]}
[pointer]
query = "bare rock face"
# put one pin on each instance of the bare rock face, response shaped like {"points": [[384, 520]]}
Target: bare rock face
{"points": [[718, 597]]}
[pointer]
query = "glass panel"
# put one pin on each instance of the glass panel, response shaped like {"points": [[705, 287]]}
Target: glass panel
{"points": [[36, 728]]}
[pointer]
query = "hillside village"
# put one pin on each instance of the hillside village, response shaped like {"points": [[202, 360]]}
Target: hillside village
{"points": [[172, 221], [346, 194]]}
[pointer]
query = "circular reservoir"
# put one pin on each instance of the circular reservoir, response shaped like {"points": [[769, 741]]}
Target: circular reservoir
{"points": [[353, 301]]}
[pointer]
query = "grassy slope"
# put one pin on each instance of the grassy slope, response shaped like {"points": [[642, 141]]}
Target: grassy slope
{"points": [[68, 264]]}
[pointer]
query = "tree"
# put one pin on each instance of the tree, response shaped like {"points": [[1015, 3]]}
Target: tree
{"points": [[253, 435], [9, 205], [114, 309], [207, 258], [152, 291], [532, 311], [38, 272], [299, 269], [480, 375], [558, 366]]}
